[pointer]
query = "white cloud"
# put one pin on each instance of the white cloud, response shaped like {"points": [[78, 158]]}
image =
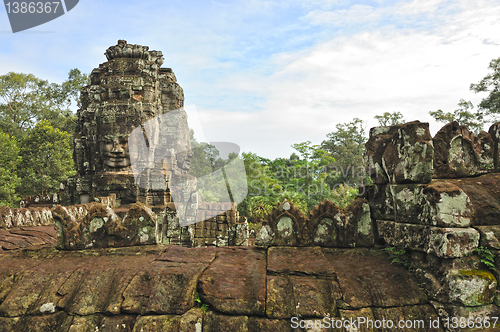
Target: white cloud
{"points": [[356, 14], [366, 74]]}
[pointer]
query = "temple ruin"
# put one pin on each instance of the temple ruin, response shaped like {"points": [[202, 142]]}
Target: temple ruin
{"points": [[421, 245]]}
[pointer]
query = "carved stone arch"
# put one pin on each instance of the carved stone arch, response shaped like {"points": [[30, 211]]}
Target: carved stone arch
{"points": [[288, 225], [323, 224]]}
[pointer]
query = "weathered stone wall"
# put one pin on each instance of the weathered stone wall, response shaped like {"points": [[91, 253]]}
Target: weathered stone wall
{"points": [[169, 288], [438, 198], [96, 225]]}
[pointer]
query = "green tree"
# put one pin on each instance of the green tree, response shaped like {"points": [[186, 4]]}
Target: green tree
{"points": [[46, 159], [310, 170], [489, 106], [390, 119], [26, 99], [346, 145], [488, 109], [9, 159], [463, 115], [263, 187], [205, 161], [71, 88]]}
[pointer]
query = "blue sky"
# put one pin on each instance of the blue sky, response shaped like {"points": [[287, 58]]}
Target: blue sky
{"points": [[267, 74]]}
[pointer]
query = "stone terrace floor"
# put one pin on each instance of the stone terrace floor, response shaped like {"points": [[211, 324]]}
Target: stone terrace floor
{"points": [[153, 288]]}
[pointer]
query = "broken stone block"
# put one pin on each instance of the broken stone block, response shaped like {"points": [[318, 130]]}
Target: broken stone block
{"points": [[470, 288], [400, 154], [438, 203], [458, 153], [465, 202], [442, 242], [484, 196], [490, 236]]}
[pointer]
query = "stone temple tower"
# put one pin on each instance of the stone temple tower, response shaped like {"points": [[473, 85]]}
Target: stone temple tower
{"points": [[130, 92]]}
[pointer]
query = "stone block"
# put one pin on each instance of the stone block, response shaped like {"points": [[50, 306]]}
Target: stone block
{"points": [[470, 288], [120, 323], [192, 320], [269, 325], [352, 317], [57, 322], [294, 296], [368, 279], [297, 260], [439, 203], [163, 288], [214, 322], [411, 318], [400, 154], [442, 242], [235, 283]]}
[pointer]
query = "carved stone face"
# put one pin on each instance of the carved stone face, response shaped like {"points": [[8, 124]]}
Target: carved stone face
{"points": [[184, 160], [115, 153]]}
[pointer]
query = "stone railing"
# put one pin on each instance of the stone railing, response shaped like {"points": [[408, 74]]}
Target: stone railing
{"points": [[326, 225], [96, 225], [19, 217]]}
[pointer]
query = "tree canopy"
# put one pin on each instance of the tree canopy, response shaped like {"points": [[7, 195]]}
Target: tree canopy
{"points": [[488, 109], [390, 119], [26, 100], [9, 159], [46, 159], [36, 128]]}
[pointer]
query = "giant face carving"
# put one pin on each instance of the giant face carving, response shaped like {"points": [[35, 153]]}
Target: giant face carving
{"points": [[115, 153], [113, 145]]}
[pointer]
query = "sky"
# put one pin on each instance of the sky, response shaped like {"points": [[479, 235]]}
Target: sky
{"points": [[266, 74]]}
